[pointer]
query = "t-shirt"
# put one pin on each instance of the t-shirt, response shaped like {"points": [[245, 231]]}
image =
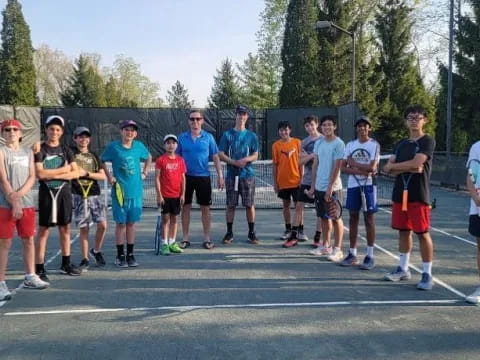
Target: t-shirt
{"points": [[197, 152], [17, 168], [419, 185], [328, 152], [285, 157], [47, 151], [171, 175], [370, 151], [308, 144], [238, 145], [474, 154], [126, 166], [95, 189]]}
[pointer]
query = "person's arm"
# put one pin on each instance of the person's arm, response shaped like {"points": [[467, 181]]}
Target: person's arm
{"points": [[158, 187], [314, 175], [72, 174], [473, 192], [337, 165], [146, 166], [274, 175], [218, 168], [27, 186], [305, 158], [182, 195], [11, 195], [225, 158], [414, 165]]}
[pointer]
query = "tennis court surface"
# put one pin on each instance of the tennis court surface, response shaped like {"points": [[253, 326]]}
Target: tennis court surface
{"points": [[251, 302]]}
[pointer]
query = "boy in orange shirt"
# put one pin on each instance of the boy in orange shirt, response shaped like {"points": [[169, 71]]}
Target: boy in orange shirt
{"points": [[287, 171]]}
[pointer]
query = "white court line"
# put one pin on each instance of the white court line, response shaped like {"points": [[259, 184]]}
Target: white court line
{"points": [[237, 306]]}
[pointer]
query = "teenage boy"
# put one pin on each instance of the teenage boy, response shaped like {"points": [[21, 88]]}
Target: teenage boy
{"points": [[239, 148], [53, 148], [126, 155], [287, 172], [474, 219], [170, 172], [17, 176], [96, 211], [196, 147], [413, 161], [360, 162], [325, 183], [306, 160]]}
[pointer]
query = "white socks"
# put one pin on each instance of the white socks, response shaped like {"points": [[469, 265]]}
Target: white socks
{"points": [[427, 268], [404, 260], [353, 251], [370, 251]]}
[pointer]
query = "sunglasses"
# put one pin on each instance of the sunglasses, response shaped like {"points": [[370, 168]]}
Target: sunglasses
{"points": [[415, 118], [195, 118], [11, 129]]}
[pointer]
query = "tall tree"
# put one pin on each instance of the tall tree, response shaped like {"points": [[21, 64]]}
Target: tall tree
{"points": [[86, 85], [177, 97], [402, 84], [226, 90], [17, 72], [300, 82]]}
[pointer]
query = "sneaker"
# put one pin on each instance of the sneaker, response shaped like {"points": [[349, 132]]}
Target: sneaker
{"points": [[326, 250], [165, 249], [290, 243], [121, 261], [174, 248], [474, 298], [252, 238], [336, 255], [350, 260], [34, 282], [228, 238], [321, 251], [426, 283], [302, 237], [84, 265], [43, 276], [70, 269], [5, 294], [398, 274], [286, 235], [368, 263], [131, 262], [98, 257]]}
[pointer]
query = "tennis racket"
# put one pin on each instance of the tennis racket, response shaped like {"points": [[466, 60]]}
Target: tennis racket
{"points": [[474, 173], [406, 150], [54, 186], [334, 209], [119, 195], [88, 163], [158, 233], [361, 156]]}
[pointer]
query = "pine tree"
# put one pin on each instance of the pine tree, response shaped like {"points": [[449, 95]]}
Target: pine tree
{"points": [[177, 97], [113, 95], [17, 72], [226, 90], [300, 81]]}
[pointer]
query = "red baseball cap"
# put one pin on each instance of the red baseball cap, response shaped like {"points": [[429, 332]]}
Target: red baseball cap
{"points": [[11, 122]]}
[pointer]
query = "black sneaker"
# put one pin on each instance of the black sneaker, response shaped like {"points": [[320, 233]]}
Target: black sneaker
{"points": [[83, 267], [98, 257], [252, 238], [121, 261], [43, 275], [70, 269], [228, 238], [131, 261]]}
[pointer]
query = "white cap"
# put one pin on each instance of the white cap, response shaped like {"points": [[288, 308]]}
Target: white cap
{"points": [[170, 137], [55, 119]]}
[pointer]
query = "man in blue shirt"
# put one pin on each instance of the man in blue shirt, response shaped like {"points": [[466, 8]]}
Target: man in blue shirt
{"points": [[125, 156], [196, 147], [239, 148]]}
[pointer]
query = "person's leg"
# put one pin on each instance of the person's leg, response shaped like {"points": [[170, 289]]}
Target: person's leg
{"points": [[206, 222], [337, 253], [84, 241], [29, 254], [41, 244], [100, 235], [172, 228], [186, 221], [165, 228], [5, 245], [474, 230], [353, 232], [426, 251], [286, 213], [64, 234], [130, 233]]}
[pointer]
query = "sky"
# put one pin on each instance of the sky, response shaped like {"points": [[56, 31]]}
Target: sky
{"points": [[172, 40]]}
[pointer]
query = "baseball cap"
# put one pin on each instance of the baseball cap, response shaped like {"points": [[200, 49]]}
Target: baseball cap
{"points": [[170, 137], [126, 123], [11, 122], [55, 120], [81, 130], [363, 119], [241, 109]]}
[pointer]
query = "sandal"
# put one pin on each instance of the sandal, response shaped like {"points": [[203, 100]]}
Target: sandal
{"points": [[185, 244], [208, 245]]}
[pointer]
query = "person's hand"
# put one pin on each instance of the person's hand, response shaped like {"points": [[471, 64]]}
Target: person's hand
{"points": [[160, 200], [242, 163], [36, 147], [17, 211], [182, 200], [328, 194], [476, 199], [221, 183], [275, 188], [112, 180], [418, 170], [81, 172], [13, 196], [310, 192], [144, 175], [350, 162], [388, 167]]}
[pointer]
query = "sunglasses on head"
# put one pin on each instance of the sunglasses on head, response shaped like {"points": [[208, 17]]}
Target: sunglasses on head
{"points": [[11, 129], [195, 118]]}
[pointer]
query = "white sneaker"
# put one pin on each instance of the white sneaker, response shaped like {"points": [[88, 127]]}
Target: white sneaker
{"points": [[4, 293], [34, 282], [286, 235], [302, 237], [336, 256], [474, 298], [317, 252]]}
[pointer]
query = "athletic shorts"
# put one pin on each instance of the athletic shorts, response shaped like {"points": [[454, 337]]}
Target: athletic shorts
{"points": [[171, 206], [96, 210], [474, 225], [287, 194], [302, 197], [130, 213], [246, 189], [25, 225], [64, 207], [202, 187], [416, 218], [321, 205], [354, 199]]}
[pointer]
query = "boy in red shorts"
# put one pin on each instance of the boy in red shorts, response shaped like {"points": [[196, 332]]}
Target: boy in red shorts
{"points": [[170, 172], [412, 163]]}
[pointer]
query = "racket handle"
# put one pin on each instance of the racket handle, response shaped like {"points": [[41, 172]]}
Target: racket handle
{"points": [[404, 200], [364, 202], [54, 211], [85, 207], [236, 184]]}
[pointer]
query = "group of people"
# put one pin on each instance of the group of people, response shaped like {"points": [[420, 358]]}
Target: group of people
{"points": [[304, 172]]}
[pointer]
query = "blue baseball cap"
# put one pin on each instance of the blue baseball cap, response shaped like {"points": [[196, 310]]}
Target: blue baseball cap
{"points": [[241, 109], [126, 123]]}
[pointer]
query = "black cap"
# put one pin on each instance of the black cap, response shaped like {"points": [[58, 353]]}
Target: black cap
{"points": [[363, 119], [241, 109]]}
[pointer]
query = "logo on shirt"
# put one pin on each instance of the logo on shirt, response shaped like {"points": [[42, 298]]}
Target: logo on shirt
{"points": [[20, 161], [289, 153], [171, 166]]}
